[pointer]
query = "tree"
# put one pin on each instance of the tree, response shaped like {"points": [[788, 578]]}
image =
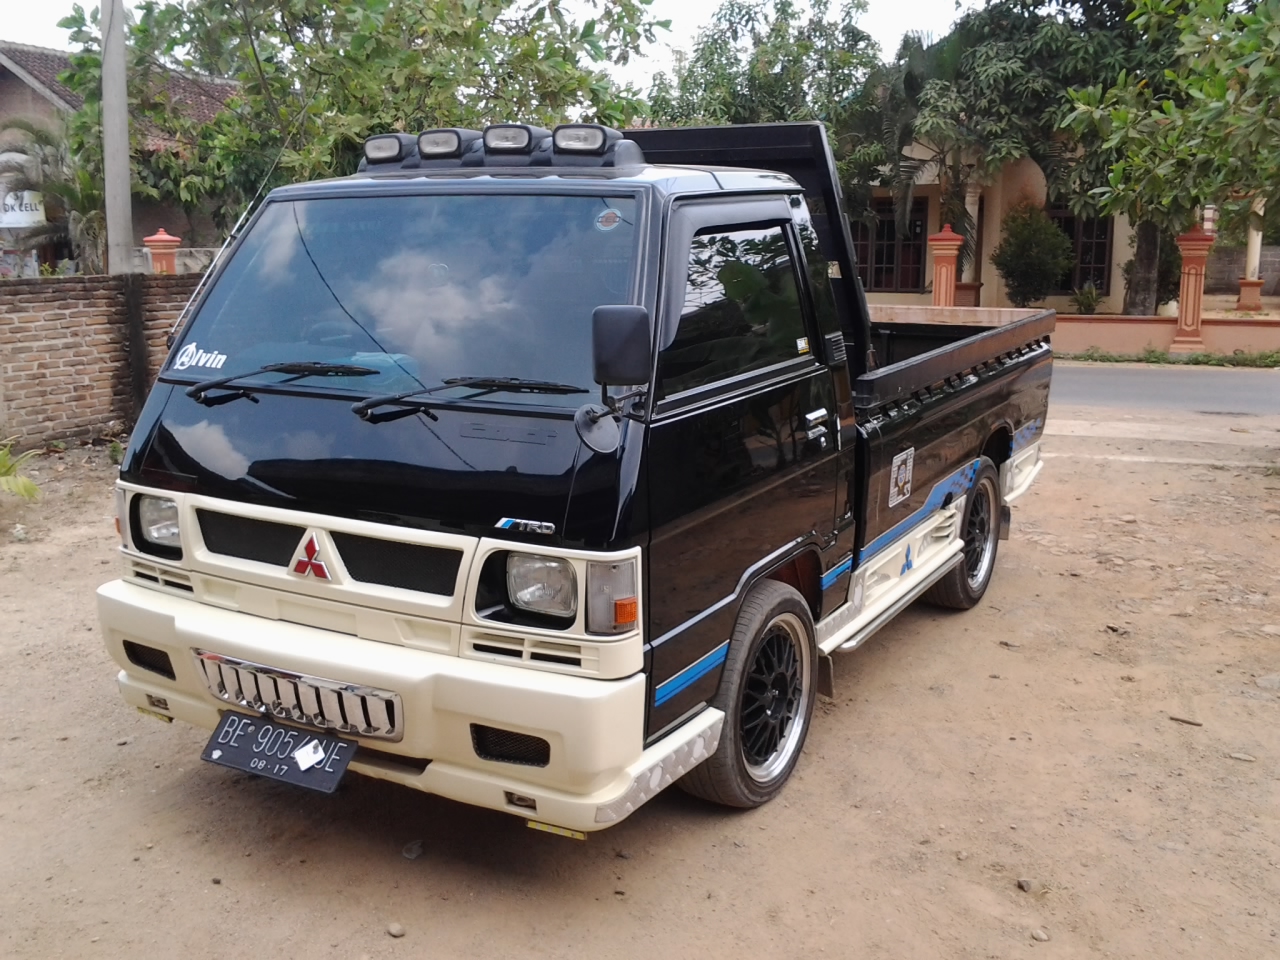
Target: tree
{"points": [[992, 91], [757, 62], [1032, 255], [316, 77], [1211, 130], [40, 160], [1009, 98]]}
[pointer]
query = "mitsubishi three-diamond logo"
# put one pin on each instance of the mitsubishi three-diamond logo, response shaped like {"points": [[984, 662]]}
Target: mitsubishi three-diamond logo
{"points": [[308, 563]]}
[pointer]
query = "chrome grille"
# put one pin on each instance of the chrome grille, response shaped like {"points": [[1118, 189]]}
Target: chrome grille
{"points": [[323, 704]]}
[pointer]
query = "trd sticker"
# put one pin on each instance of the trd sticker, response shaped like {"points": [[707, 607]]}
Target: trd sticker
{"points": [[608, 219], [192, 356], [802, 345], [527, 526], [900, 476]]}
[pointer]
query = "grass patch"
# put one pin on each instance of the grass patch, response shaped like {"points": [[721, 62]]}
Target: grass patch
{"points": [[1266, 358]]}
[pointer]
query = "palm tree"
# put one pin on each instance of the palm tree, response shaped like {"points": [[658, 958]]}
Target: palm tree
{"points": [[907, 123], [37, 158]]}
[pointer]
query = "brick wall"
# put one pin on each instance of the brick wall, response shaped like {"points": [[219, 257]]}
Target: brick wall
{"points": [[66, 363], [1226, 267]]}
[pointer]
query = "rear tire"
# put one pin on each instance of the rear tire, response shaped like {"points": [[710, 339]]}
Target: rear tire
{"points": [[964, 586], [767, 693]]}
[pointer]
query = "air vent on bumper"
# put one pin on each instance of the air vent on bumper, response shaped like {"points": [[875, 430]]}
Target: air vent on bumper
{"points": [[507, 746], [149, 658]]}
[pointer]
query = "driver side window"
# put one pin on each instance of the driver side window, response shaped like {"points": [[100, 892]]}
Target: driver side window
{"points": [[741, 309]]}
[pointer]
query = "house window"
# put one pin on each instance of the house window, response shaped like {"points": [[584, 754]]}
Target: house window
{"points": [[890, 262], [1091, 242]]}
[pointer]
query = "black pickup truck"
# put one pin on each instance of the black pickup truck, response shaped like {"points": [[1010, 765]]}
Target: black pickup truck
{"points": [[542, 469]]}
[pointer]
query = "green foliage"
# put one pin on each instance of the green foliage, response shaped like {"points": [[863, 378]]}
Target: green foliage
{"points": [[760, 62], [1168, 269], [1266, 359], [1032, 255], [1084, 300], [11, 479], [316, 77], [1213, 130], [992, 91], [1234, 217], [115, 452]]}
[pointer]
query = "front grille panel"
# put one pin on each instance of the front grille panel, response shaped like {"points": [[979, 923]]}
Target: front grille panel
{"points": [[391, 563], [507, 746], [310, 701], [249, 539]]}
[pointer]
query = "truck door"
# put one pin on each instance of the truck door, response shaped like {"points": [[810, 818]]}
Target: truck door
{"points": [[742, 445]]}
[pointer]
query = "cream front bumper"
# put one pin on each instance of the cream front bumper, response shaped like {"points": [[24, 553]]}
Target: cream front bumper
{"points": [[598, 772]]}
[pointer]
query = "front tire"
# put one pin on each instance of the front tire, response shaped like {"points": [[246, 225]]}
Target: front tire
{"points": [[965, 584], [767, 694]]}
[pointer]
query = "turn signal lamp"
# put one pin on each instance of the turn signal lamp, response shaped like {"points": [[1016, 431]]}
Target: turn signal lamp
{"points": [[612, 603]]}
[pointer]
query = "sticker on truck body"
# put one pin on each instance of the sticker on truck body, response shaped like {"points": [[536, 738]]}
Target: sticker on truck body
{"points": [[900, 476], [192, 356], [608, 219]]}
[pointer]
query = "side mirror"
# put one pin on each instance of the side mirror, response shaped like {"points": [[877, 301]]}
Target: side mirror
{"points": [[621, 345]]}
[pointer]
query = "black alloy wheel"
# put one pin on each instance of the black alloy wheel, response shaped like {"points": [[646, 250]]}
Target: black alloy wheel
{"points": [[767, 691], [963, 586]]}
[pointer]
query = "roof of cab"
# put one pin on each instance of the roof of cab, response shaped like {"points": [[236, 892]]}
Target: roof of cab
{"points": [[669, 180]]}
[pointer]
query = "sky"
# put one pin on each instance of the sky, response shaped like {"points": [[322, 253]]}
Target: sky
{"points": [[36, 22]]}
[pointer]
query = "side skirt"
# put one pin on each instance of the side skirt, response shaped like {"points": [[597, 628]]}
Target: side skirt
{"points": [[891, 580]]}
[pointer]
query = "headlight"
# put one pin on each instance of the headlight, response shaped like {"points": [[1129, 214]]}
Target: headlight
{"points": [[542, 585], [158, 522], [612, 605]]}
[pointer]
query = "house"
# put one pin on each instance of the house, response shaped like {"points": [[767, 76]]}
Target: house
{"points": [[896, 267], [30, 90]]}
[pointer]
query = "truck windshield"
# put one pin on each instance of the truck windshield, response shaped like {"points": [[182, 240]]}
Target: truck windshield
{"points": [[423, 289]]}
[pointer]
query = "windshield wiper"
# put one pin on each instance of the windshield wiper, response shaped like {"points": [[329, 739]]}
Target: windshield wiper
{"points": [[296, 370], [483, 385]]}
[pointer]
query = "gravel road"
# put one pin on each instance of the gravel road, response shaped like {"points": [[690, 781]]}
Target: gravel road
{"points": [[1030, 739]]}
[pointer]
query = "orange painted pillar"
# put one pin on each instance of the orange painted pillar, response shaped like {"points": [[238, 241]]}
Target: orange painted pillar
{"points": [[1194, 245], [945, 246], [162, 247]]}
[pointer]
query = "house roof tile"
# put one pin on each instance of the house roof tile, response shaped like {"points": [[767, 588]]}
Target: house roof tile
{"points": [[43, 66], [194, 97]]}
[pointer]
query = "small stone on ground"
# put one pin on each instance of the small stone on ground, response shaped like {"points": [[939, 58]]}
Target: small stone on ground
{"points": [[395, 930]]}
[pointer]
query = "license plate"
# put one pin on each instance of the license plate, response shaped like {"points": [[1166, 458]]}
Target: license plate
{"points": [[257, 745]]}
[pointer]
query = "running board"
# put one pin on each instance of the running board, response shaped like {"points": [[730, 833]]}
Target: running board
{"points": [[862, 629]]}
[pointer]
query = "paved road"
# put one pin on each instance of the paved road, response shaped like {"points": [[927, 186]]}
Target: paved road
{"points": [[1194, 389]]}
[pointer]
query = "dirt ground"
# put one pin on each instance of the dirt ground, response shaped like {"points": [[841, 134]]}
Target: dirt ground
{"points": [[1030, 738]]}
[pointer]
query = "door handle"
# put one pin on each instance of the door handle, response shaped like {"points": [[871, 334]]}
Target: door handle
{"points": [[814, 433], [816, 416]]}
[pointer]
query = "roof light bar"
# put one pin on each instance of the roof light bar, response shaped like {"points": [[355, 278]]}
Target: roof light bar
{"points": [[383, 148], [445, 143], [588, 138], [512, 137]]}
